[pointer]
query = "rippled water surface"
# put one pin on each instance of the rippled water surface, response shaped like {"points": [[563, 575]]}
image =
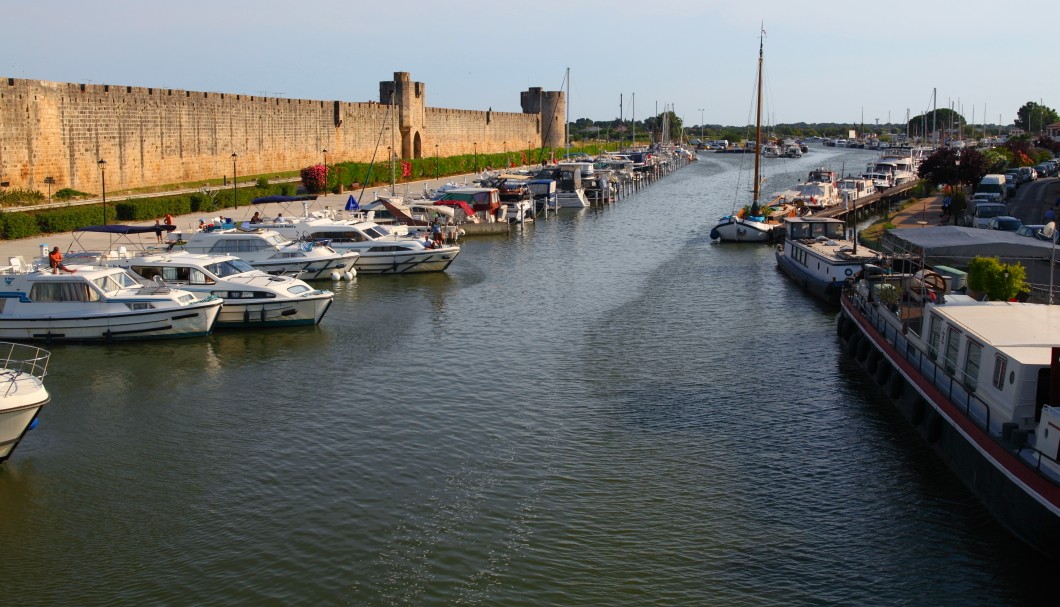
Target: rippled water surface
{"points": [[603, 409]]}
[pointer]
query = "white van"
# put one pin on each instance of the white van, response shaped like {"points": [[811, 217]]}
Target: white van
{"points": [[994, 185]]}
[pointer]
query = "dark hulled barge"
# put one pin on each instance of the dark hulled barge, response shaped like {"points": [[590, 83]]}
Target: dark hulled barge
{"points": [[980, 382]]}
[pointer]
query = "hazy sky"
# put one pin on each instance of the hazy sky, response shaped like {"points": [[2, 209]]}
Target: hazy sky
{"points": [[826, 60]]}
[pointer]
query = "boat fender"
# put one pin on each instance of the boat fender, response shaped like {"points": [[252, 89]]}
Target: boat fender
{"points": [[852, 344], [883, 372], [33, 424], [916, 414], [840, 325], [849, 272], [335, 275], [934, 429], [895, 386], [349, 275], [863, 350], [873, 361], [714, 234]]}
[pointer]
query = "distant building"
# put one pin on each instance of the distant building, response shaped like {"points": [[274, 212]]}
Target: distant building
{"points": [[1053, 130]]}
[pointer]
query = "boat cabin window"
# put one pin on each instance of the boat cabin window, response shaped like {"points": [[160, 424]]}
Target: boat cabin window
{"points": [[230, 267], [813, 229], [239, 245], [953, 345], [971, 365], [52, 292], [298, 289], [1000, 364], [188, 275], [934, 336]]}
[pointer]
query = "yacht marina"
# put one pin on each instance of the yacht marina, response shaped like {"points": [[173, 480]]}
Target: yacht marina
{"points": [[373, 459]]}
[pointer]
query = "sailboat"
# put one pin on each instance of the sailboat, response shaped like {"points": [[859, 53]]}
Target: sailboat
{"points": [[750, 225]]}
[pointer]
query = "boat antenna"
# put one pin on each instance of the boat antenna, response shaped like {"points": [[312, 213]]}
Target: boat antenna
{"points": [[758, 126]]}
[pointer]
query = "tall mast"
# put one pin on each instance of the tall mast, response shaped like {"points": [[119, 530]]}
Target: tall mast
{"points": [[568, 113], [758, 118]]}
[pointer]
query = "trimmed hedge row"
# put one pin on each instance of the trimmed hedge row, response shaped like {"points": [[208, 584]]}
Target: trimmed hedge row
{"points": [[26, 224]]}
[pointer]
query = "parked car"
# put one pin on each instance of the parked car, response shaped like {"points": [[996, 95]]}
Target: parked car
{"points": [[1028, 174], [1005, 223], [978, 215], [1034, 230], [1012, 177]]}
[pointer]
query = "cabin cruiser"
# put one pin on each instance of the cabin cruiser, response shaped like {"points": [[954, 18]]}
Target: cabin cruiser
{"points": [[375, 249], [252, 298], [817, 255], [853, 188], [275, 252], [96, 304], [22, 392], [816, 193]]}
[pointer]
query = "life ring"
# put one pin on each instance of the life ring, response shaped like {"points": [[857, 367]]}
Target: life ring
{"points": [[849, 272]]}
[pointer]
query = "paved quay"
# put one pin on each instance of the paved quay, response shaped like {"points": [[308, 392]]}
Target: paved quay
{"points": [[30, 248]]}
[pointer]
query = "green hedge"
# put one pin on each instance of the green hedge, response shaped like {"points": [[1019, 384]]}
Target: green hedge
{"points": [[66, 219]]}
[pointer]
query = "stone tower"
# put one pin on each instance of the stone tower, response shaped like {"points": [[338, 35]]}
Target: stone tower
{"points": [[410, 101], [551, 108]]}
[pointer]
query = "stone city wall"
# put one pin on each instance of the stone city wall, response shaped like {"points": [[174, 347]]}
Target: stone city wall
{"points": [[153, 137]]}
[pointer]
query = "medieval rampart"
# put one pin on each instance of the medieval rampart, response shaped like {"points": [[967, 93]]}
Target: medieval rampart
{"points": [[151, 137]]}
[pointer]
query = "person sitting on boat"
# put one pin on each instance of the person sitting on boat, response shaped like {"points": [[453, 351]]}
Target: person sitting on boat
{"points": [[55, 258], [279, 219], [427, 242], [256, 218]]}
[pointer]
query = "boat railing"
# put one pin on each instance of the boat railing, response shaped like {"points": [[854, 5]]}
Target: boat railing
{"points": [[157, 285], [22, 359], [888, 326]]}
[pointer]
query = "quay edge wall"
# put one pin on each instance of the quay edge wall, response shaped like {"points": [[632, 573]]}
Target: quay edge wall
{"points": [[152, 137]]}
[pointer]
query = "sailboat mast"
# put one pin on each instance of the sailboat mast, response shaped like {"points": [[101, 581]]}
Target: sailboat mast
{"points": [[567, 104], [758, 120]]}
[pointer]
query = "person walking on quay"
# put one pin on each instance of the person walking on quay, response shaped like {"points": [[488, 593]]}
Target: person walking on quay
{"points": [[158, 230]]}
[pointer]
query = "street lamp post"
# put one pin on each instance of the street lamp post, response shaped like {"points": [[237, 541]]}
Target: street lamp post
{"points": [[325, 152], [476, 156], [235, 201], [700, 124], [103, 180], [436, 161]]}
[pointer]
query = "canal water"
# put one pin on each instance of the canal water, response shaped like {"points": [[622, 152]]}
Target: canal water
{"points": [[602, 409]]}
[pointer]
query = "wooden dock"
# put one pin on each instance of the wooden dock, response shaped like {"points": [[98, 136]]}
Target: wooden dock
{"points": [[872, 202]]}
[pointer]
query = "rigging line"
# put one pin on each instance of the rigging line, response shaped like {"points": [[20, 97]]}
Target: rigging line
{"points": [[371, 164]]}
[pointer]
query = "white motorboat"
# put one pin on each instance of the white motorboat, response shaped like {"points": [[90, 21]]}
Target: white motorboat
{"points": [[853, 188], [377, 250], [816, 193], [817, 255], [275, 253], [22, 392], [97, 304], [252, 298]]}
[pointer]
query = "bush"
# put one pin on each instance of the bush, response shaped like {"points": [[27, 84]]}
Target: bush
{"points": [[19, 197], [315, 178], [17, 225], [999, 281], [287, 189], [69, 193], [262, 183]]}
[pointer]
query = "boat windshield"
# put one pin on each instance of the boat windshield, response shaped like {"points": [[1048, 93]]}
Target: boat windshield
{"points": [[228, 268], [376, 231], [116, 282]]}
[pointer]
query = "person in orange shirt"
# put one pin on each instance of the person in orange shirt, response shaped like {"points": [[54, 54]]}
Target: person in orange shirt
{"points": [[56, 260]]}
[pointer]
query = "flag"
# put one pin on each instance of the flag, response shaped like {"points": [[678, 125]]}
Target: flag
{"points": [[406, 168], [351, 204]]}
